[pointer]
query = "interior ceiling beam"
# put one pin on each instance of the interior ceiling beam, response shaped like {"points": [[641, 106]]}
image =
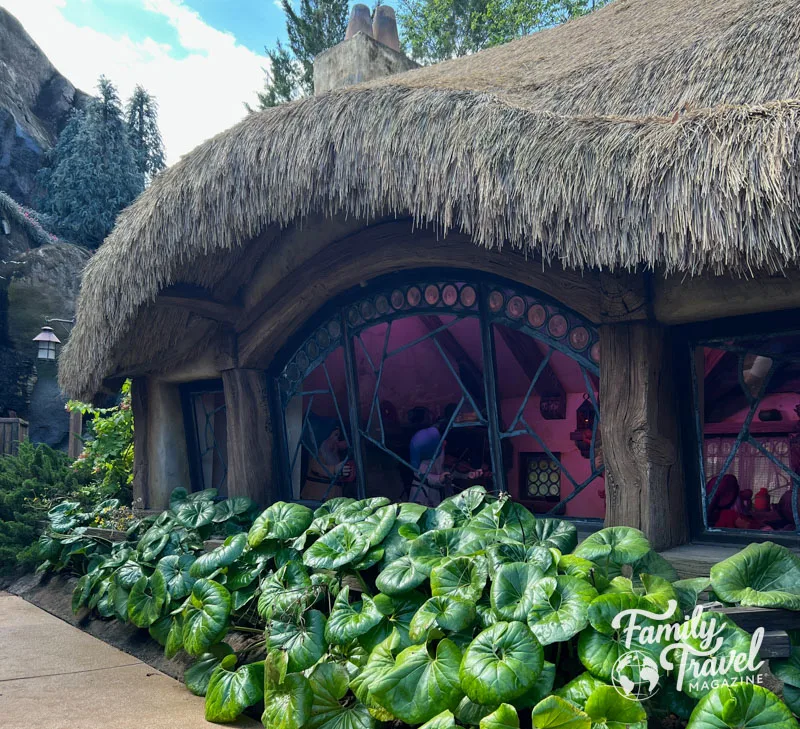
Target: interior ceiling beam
{"points": [[553, 403], [200, 302], [471, 375]]}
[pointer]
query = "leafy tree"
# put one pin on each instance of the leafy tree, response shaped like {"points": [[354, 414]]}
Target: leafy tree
{"points": [[92, 172], [143, 132], [316, 26], [435, 30]]}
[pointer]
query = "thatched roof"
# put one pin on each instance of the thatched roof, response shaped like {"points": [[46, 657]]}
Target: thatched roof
{"points": [[661, 133]]}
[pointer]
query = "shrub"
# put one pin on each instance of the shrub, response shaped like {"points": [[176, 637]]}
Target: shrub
{"points": [[30, 482], [474, 613]]}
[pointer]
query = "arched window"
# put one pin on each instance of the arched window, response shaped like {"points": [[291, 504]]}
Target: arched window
{"points": [[417, 388]]}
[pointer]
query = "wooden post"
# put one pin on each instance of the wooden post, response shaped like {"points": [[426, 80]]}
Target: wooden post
{"points": [[641, 444], [140, 474], [249, 435], [75, 445]]}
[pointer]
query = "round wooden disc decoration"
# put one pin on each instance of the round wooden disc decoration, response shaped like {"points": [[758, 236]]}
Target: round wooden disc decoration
{"points": [[312, 350], [468, 296], [293, 372], [323, 339], [537, 316], [334, 329], [398, 299], [367, 310], [353, 316], [382, 305], [496, 300], [414, 296], [595, 352], [302, 361], [579, 338], [515, 307], [449, 295], [558, 325], [431, 294]]}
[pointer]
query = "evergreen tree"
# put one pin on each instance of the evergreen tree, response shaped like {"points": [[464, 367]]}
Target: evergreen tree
{"points": [[92, 172], [315, 27], [143, 133]]}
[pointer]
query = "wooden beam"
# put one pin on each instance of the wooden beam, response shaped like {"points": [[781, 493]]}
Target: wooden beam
{"points": [[679, 299], [287, 298], [471, 375], [624, 296], [249, 435], [553, 403], [75, 444], [140, 442], [641, 444], [200, 302]]}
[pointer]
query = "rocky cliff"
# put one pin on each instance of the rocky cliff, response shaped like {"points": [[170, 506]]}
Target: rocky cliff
{"points": [[35, 104]]}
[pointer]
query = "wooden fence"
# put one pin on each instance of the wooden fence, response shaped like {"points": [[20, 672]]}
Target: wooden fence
{"points": [[12, 432]]}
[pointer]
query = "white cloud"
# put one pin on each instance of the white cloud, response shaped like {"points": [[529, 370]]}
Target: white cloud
{"points": [[199, 94]]}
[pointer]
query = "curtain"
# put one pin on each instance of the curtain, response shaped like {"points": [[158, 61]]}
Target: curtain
{"points": [[752, 469]]}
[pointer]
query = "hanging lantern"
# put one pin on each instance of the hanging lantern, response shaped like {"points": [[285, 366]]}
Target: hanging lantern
{"points": [[584, 421], [47, 341]]}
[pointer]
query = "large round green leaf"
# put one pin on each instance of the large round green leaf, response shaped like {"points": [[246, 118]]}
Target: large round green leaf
{"points": [[397, 612], [728, 637], [463, 506], [356, 511], [743, 706], [461, 577], [621, 545], [231, 691], [512, 590], [380, 662], [556, 713], [332, 708], [153, 542], [288, 705], [501, 664], [560, 608], [147, 600], [340, 547], [206, 616], [788, 671], [288, 590], [175, 569], [174, 642], [569, 564], [448, 613], [688, 591], [421, 684], [231, 508], [555, 533], [445, 720], [199, 673], [510, 552], [223, 556], [609, 709], [761, 575], [347, 622], [399, 576], [580, 689], [195, 514], [303, 640], [503, 717], [504, 520], [378, 524], [280, 521], [429, 549]]}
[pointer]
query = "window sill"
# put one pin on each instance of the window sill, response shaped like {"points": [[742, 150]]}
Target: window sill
{"points": [[696, 560]]}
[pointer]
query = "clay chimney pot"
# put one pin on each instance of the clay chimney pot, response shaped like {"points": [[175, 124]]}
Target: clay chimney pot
{"points": [[384, 27], [360, 22]]}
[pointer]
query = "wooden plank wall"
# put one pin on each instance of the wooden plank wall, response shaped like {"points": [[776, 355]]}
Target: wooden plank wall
{"points": [[12, 432]]}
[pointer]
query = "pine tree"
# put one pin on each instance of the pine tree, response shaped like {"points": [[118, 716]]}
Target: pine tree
{"points": [[317, 26], [92, 172], [143, 133]]}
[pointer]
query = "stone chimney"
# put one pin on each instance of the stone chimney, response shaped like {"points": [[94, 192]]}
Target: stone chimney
{"points": [[370, 49]]}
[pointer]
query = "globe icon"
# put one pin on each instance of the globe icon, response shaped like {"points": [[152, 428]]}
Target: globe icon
{"points": [[635, 675]]}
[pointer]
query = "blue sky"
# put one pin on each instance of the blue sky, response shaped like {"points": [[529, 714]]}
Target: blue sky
{"points": [[202, 59]]}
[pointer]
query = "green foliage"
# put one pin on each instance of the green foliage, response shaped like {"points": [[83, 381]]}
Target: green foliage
{"points": [[30, 483], [435, 30], [92, 173], [314, 27], [466, 615], [141, 116], [107, 457]]}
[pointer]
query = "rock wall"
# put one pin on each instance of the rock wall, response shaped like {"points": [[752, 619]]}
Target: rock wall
{"points": [[35, 104]]}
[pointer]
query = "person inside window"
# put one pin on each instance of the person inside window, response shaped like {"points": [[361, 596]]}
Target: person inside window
{"points": [[329, 470], [731, 507]]}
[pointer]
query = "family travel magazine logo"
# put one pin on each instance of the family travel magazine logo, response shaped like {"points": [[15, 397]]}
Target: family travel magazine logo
{"points": [[702, 652]]}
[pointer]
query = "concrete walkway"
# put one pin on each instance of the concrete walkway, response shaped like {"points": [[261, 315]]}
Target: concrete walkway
{"points": [[54, 676]]}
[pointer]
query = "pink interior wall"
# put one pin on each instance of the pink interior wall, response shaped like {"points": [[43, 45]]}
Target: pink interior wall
{"points": [[783, 401]]}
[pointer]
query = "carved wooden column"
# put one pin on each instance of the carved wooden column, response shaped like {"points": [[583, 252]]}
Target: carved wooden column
{"points": [[249, 434], [139, 408], [641, 443]]}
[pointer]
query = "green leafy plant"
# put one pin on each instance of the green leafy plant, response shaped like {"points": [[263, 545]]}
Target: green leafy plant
{"points": [[366, 614]]}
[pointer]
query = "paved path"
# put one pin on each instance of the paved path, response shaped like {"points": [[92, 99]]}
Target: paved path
{"points": [[54, 676]]}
